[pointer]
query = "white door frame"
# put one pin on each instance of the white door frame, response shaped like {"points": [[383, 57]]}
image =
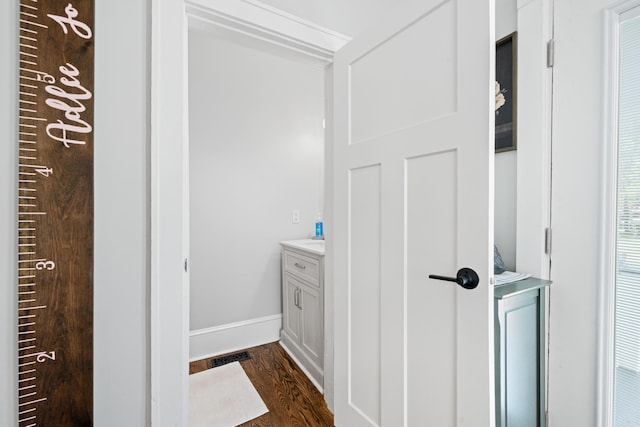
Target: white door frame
{"points": [[608, 231], [169, 175]]}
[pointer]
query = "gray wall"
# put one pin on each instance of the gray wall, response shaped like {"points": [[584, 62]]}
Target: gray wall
{"points": [[506, 162], [578, 159], [121, 321], [256, 153], [8, 209]]}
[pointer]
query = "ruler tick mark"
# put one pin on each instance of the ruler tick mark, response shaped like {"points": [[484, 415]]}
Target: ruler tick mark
{"points": [[26, 324], [26, 348], [24, 21], [27, 364], [22, 396], [39, 307], [33, 401]]}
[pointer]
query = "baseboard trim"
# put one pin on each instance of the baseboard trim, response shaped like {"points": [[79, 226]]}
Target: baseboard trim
{"points": [[211, 342]]}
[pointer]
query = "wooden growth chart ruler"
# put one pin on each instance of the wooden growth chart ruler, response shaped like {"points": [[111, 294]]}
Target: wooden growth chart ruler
{"points": [[55, 214]]}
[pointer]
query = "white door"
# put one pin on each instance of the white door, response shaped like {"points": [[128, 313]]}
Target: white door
{"points": [[413, 196]]}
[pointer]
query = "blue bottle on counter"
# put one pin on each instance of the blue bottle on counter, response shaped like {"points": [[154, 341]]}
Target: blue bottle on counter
{"points": [[319, 230]]}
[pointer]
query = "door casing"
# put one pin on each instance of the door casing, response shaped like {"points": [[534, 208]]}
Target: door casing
{"points": [[169, 178]]}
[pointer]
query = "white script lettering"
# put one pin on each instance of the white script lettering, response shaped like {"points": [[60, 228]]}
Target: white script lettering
{"points": [[71, 105], [78, 27]]}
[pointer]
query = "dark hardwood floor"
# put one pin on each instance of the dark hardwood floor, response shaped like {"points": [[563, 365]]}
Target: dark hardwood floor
{"points": [[292, 400]]}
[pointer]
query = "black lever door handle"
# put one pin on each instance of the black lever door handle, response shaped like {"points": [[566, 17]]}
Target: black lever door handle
{"points": [[466, 277]]}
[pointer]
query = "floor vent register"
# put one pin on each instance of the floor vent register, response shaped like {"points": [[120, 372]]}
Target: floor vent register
{"points": [[229, 358]]}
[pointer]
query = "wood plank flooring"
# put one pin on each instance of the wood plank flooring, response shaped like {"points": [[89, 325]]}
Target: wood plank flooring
{"points": [[292, 400]]}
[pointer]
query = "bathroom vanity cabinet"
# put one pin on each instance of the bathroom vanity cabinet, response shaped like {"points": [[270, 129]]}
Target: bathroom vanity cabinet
{"points": [[519, 309], [302, 334]]}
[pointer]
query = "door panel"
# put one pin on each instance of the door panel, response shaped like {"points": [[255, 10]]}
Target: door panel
{"points": [[387, 98], [413, 180], [432, 325], [364, 292]]}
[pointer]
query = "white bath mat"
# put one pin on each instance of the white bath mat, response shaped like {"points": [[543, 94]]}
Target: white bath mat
{"points": [[223, 397]]}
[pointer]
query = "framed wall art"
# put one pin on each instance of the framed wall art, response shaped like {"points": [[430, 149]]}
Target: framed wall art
{"points": [[506, 93]]}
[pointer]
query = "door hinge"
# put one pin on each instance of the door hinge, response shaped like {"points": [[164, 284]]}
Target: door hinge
{"points": [[546, 418], [547, 241], [550, 53], [186, 265]]}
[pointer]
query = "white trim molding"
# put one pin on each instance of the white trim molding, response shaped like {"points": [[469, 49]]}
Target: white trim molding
{"points": [[210, 342], [608, 228], [169, 291], [169, 174], [260, 21], [608, 231]]}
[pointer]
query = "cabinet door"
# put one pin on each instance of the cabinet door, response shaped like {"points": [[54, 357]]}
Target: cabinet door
{"points": [[312, 340], [519, 357], [291, 315]]}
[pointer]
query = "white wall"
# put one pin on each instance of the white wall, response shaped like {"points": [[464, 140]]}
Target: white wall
{"points": [[121, 317], [8, 209], [505, 163], [577, 161], [121, 266], [256, 153]]}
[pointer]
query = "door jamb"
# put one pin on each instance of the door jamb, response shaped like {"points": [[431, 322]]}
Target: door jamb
{"points": [[608, 193], [169, 247]]}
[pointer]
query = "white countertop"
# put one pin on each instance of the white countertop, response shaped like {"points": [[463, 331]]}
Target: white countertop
{"points": [[309, 245]]}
